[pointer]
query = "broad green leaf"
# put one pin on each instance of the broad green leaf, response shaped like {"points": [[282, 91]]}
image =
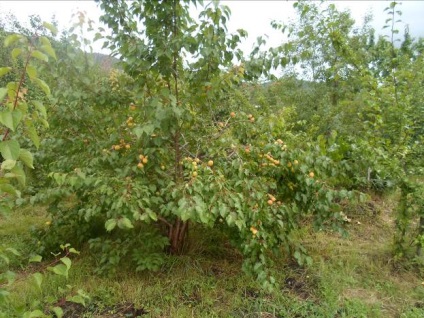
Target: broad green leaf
{"points": [[18, 173], [3, 93], [147, 129], [8, 164], [16, 52], [38, 277], [45, 41], [77, 299], [4, 70], [31, 71], [13, 251], [59, 269], [73, 251], [40, 107], [26, 158], [50, 27], [49, 51], [39, 55], [17, 117], [125, 223], [11, 118], [8, 188], [110, 225], [35, 259], [12, 39], [6, 119], [40, 83], [12, 87], [67, 262], [152, 215], [32, 133], [10, 149], [58, 312]]}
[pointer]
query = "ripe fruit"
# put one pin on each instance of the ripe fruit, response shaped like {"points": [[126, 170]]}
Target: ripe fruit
{"points": [[249, 116], [162, 167], [254, 230], [270, 202], [145, 160], [247, 150], [197, 160], [296, 162], [272, 198], [210, 163], [252, 119], [289, 164], [311, 174], [233, 114], [117, 147], [140, 165], [127, 146], [194, 173], [132, 107]]}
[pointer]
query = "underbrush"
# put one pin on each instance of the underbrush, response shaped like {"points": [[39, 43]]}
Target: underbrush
{"points": [[353, 276]]}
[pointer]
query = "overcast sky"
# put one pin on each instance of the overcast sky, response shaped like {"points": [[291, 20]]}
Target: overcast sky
{"points": [[253, 16]]}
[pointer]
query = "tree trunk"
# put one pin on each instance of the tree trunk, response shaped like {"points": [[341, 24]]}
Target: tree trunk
{"points": [[177, 234]]}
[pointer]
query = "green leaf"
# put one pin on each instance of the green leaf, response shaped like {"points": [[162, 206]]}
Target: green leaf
{"points": [[16, 52], [40, 107], [26, 158], [18, 173], [3, 93], [40, 83], [8, 188], [125, 223], [110, 225], [59, 269], [6, 119], [31, 71], [39, 55], [12, 39], [49, 50], [77, 299], [4, 70], [50, 27], [8, 164], [11, 119], [35, 259], [58, 312], [13, 251], [67, 261], [10, 149], [32, 133], [73, 251], [38, 277]]}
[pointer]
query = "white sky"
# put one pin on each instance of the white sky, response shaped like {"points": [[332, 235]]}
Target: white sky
{"points": [[253, 16]]}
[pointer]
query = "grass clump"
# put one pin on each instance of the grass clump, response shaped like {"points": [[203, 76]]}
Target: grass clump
{"points": [[353, 276]]}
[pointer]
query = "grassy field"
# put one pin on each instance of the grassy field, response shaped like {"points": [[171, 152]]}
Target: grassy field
{"points": [[354, 276]]}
